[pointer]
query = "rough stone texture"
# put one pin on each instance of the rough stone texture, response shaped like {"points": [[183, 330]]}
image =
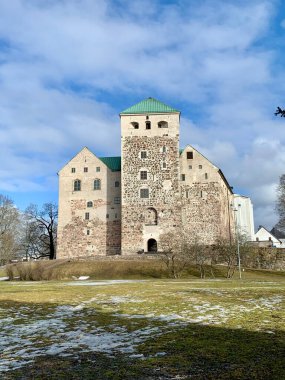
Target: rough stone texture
{"points": [[186, 192], [104, 224]]}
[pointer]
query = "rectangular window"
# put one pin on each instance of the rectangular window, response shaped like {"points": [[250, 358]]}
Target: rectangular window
{"points": [[206, 175], [116, 216], [85, 170], [164, 165], [97, 169], [144, 193], [143, 174], [143, 154], [189, 155], [182, 177], [190, 166], [187, 194], [72, 170], [107, 216], [117, 184], [88, 232], [147, 125], [200, 166], [117, 200], [87, 215]]}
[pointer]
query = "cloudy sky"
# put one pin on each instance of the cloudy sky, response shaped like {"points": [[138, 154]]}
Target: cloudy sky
{"points": [[68, 67]]}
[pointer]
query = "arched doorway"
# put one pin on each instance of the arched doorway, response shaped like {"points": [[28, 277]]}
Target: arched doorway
{"points": [[152, 245]]}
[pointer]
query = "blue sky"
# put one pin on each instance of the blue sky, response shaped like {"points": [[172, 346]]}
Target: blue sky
{"points": [[68, 67]]}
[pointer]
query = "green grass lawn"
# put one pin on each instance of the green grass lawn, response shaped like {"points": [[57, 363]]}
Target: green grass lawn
{"points": [[144, 329]]}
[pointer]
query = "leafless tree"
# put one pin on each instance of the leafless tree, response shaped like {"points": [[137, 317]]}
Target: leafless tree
{"points": [[173, 252], [280, 111], [9, 223], [41, 231]]}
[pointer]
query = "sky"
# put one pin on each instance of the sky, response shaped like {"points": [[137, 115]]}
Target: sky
{"points": [[69, 67]]}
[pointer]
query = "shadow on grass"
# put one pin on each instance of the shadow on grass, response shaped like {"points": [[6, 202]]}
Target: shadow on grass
{"points": [[187, 352]]}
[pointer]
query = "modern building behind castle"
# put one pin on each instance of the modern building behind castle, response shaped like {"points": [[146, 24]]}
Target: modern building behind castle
{"points": [[123, 205]]}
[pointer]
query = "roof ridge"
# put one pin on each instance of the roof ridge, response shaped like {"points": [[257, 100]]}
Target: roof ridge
{"points": [[149, 105]]}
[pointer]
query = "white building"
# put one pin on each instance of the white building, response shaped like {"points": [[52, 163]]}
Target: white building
{"points": [[264, 236], [244, 216]]}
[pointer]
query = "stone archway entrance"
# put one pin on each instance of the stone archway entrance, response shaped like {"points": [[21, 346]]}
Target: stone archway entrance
{"points": [[152, 245]]}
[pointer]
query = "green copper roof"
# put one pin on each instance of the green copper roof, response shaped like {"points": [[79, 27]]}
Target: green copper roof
{"points": [[113, 163], [149, 105]]}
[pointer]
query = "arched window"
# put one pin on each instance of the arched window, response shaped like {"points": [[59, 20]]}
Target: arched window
{"points": [[97, 184], [77, 185], [150, 217], [135, 125], [89, 204], [162, 124]]}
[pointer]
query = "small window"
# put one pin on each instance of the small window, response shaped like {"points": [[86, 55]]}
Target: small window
{"points": [[87, 215], [189, 155], [187, 194], [97, 184], [164, 165], [98, 169], [77, 185], [116, 216], [144, 193], [135, 125], [182, 177], [257, 239], [147, 125], [201, 194], [72, 170], [107, 216], [143, 154], [88, 232], [200, 166], [206, 175], [117, 200], [89, 204], [143, 174], [117, 183], [85, 170], [269, 238], [190, 167], [162, 124], [164, 149]]}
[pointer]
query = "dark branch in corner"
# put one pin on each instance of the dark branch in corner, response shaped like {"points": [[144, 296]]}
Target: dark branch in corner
{"points": [[280, 112]]}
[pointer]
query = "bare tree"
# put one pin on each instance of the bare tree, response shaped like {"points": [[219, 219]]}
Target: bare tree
{"points": [[174, 252], [9, 224], [41, 231], [227, 253]]}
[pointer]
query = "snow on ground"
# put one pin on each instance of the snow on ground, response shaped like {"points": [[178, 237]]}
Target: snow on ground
{"points": [[28, 332]]}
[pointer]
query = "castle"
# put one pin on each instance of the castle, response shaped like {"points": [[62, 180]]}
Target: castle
{"points": [[123, 205]]}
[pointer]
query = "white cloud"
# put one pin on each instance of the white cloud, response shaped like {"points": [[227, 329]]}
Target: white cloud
{"points": [[64, 64]]}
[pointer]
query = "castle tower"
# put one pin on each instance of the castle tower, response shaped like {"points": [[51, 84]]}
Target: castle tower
{"points": [[149, 174]]}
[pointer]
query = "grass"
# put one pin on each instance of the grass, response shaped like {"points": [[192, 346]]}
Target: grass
{"points": [[115, 269], [151, 329]]}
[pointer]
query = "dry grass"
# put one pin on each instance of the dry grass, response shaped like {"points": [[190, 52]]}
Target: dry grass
{"points": [[114, 269]]}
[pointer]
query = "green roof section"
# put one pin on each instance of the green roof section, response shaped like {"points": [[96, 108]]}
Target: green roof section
{"points": [[149, 105], [113, 163]]}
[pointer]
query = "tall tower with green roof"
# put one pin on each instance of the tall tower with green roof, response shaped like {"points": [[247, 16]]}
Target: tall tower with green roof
{"points": [[150, 174]]}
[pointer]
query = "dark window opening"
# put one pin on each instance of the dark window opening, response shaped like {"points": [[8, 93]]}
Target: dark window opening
{"points": [[206, 175], [143, 154], [88, 232], [87, 215], [164, 165], [85, 170], [98, 169], [89, 204], [147, 125], [143, 174], [162, 124], [182, 177], [200, 166], [117, 184], [72, 170], [77, 185], [135, 125], [97, 184], [189, 155], [117, 200]]}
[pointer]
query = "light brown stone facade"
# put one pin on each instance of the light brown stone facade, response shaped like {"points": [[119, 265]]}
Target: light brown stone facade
{"points": [[158, 189]]}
